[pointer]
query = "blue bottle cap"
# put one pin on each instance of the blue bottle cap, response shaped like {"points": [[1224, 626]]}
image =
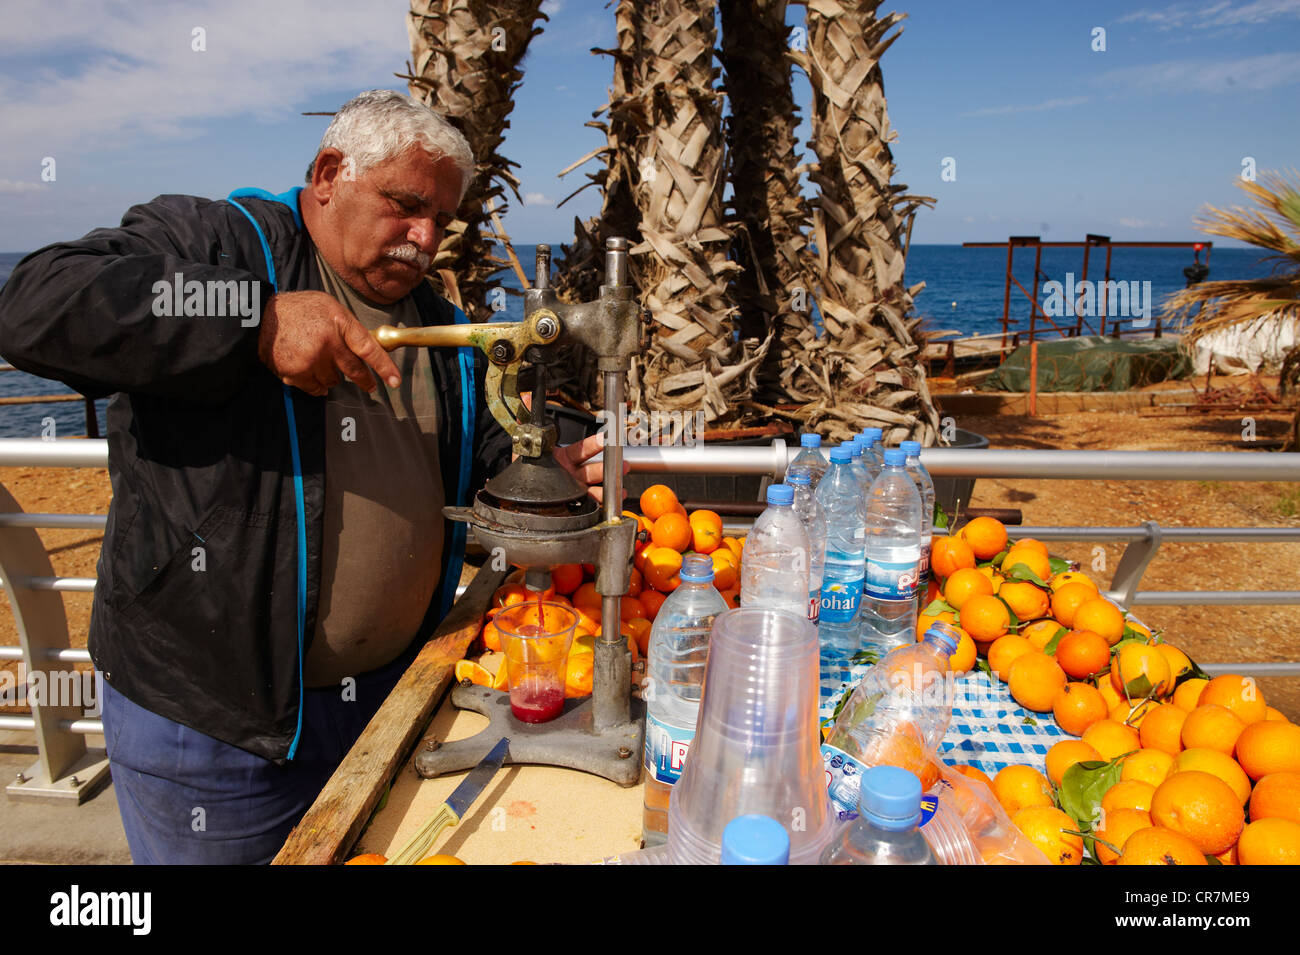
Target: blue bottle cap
{"points": [[874, 433], [810, 440], [798, 478], [756, 840], [911, 447], [842, 454], [890, 797], [856, 446], [896, 458], [697, 568], [780, 494]]}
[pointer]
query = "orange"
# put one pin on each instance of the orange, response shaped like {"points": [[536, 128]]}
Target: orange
{"points": [[1270, 713], [441, 859], [996, 579], [949, 555], [1052, 831], [706, 531], [1115, 828], [1027, 600], [368, 858], [986, 536], [471, 671], [964, 659], [1111, 738], [1020, 787], [589, 616], [1065, 754], [726, 571], [672, 530], [732, 597], [1276, 796], [1148, 766], [924, 621], [1032, 558], [1142, 630], [508, 595], [1041, 632], [652, 600], [1034, 680], [1101, 617], [502, 679], [1132, 712], [1077, 706], [1270, 842], [1107, 691], [635, 583], [1188, 694], [1214, 763], [1128, 794], [1238, 693], [630, 608], [1004, 651], [1162, 729], [566, 578], [1212, 727], [1269, 747], [1071, 577], [736, 545], [640, 632], [662, 566], [658, 500], [1136, 660], [1179, 662], [985, 617], [974, 772], [579, 673], [1160, 846], [1081, 653], [587, 596], [963, 585], [1201, 807], [491, 636], [1067, 599]]}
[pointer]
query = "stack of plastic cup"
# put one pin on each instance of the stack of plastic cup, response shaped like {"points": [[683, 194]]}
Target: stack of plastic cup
{"points": [[755, 748]]}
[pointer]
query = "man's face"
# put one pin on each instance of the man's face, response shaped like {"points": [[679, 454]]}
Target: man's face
{"points": [[381, 230]]}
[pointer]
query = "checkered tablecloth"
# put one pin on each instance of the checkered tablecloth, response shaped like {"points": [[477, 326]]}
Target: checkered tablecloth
{"points": [[989, 729]]}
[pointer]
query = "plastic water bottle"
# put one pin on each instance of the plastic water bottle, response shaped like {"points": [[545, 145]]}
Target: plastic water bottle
{"points": [[893, 553], [886, 831], [755, 840], [861, 465], [924, 487], [809, 460], [678, 649], [774, 572], [902, 707], [872, 451], [841, 499], [814, 524]]}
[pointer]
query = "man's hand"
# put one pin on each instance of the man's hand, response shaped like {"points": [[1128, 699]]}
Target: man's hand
{"points": [[574, 457], [308, 338]]}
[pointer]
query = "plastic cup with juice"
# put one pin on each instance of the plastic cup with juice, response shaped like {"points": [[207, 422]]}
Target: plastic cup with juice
{"points": [[535, 638]]}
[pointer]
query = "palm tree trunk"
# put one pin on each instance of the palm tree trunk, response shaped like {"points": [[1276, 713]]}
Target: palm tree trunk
{"points": [[870, 370], [465, 60]]}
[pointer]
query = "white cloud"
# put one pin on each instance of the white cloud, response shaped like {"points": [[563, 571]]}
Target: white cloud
{"points": [[1254, 73], [1219, 14], [537, 199], [1034, 108], [14, 186], [551, 7], [132, 75]]}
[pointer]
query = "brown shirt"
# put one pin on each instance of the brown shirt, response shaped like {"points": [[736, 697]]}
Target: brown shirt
{"points": [[383, 543]]}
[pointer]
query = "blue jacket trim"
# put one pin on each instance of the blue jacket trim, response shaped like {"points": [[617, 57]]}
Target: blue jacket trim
{"points": [[468, 414], [289, 198]]}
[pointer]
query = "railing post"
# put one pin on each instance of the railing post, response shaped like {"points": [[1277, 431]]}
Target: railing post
{"points": [[1133, 564], [66, 769]]}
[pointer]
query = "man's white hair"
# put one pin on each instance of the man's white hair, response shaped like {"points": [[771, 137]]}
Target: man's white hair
{"points": [[379, 124]]}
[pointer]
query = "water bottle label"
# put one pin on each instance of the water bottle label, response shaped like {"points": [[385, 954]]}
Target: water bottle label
{"points": [[891, 579], [666, 746], [843, 781], [840, 599], [929, 806], [923, 567], [814, 605]]}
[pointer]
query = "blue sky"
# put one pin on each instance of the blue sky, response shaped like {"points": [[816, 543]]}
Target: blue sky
{"points": [[1049, 136]]}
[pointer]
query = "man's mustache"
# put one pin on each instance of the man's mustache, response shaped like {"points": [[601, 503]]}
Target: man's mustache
{"points": [[409, 253]]}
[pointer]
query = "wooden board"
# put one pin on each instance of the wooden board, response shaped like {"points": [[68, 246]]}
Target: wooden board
{"points": [[327, 832]]}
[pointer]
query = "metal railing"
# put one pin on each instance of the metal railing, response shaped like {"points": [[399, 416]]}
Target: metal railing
{"points": [[68, 770]]}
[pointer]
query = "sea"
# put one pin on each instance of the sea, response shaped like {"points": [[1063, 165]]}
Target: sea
{"points": [[964, 290]]}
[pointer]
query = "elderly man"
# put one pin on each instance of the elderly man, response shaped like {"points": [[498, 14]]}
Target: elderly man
{"points": [[275, 551]]}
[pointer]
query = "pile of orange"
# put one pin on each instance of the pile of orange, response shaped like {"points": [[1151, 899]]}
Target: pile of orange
{"points": [[1224, 766], [666, 534]]}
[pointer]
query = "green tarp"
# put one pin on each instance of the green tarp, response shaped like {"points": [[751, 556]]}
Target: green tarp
{"points": [[1094, 363]]}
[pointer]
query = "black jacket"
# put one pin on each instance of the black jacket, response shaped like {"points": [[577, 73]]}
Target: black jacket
{"points": [[200, 456]]}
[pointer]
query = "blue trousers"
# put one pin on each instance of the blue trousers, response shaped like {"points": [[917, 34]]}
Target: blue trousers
{"points": [[188, 799]]}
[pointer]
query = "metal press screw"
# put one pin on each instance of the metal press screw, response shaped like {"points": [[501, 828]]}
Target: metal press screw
{"points": [[20, 777], [546, 327], [75, 781], [624, 752]]}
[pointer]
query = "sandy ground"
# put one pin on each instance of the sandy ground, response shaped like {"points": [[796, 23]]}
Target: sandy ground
{"points": [[1208, 634]]}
